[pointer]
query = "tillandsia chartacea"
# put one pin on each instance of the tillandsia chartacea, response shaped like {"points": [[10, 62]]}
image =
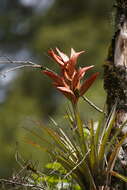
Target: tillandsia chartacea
{"points": [[69, 81]]}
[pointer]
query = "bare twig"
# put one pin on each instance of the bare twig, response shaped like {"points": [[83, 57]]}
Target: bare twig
{"points": [[17, 62], [21, 64], [12, 182], [19, 67]]}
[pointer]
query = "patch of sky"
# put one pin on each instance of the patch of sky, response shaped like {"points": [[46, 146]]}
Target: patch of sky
{"points": [[38, 5]]}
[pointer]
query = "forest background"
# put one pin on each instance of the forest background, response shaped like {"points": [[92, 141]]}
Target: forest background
{"points": [[28, 29]]}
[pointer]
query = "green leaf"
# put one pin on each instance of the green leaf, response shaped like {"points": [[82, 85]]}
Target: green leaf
{"points": [[39, 146], [120, 176], [105, 136], [82, 139], [39, 137], [57, 138], [99, 131], [93, 153]]}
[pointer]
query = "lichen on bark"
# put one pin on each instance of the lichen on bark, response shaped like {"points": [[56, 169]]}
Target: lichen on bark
{"points": [[115, 82]]}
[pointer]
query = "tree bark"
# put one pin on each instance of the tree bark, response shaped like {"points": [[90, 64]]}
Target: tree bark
{"points": [[115, 80]]}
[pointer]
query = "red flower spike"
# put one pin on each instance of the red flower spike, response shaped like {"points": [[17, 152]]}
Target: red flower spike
{"points": [[72, 62], [63, 56], [72, 52], [69, 82], [58, 85], [75, 55], [56, 57], [68, 93], [86, 85], [82, 71], [56, 78], [79, 75], [70, 69]]}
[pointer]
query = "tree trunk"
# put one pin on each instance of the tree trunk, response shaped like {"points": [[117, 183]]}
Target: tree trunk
{"points": [[115, 80]]}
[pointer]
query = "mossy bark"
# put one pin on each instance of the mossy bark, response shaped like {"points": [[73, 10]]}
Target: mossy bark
{"points": [[115, 80]]}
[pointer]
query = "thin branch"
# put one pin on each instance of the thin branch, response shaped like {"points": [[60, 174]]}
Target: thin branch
{"points": [[17, 62], [93, 105], [21, 64], [19, 67], [12, 182]]}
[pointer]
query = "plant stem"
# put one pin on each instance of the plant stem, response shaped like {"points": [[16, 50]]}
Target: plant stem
{"points": [[75, 111], [93, 105]]}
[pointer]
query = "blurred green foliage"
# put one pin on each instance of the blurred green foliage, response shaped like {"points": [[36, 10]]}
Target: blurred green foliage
{"points": [[83, 25]]}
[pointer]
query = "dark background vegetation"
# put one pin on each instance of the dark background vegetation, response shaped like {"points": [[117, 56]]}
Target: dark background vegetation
{"points": [[27, 30]]}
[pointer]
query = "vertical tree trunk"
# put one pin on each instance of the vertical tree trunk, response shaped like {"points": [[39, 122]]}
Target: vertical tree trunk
{"points": [[115, 79]]}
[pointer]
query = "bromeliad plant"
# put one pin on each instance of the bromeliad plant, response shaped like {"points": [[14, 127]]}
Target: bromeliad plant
{"points": [[87, 153]]}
